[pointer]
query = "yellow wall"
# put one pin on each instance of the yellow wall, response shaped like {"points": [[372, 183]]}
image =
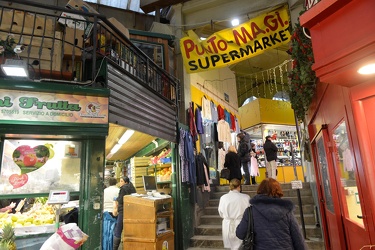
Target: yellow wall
{"points": [[266, 111], [285, 174]]}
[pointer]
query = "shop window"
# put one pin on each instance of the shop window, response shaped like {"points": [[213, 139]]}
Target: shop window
{"points": [[38, 166], [345, 164], [152, 50], [324, 172]]}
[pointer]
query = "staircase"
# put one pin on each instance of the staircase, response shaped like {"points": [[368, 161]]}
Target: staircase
{"points": [[208, 233]]}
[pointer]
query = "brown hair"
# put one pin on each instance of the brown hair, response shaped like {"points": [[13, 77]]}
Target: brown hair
{"points": [[112, 181], [234, 183], [240, 135], [270, 187]]}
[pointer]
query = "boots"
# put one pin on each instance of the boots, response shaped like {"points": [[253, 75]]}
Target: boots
{"points": [[116, 242]]}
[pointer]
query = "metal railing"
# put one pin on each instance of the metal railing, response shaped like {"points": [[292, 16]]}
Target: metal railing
{"points": [[69, 45]]}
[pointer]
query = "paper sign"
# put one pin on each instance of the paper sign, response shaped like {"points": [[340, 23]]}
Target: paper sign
{"points": [[296, 184]]}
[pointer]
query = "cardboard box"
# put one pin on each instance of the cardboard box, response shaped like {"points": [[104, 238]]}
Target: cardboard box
{"points": [[81, 6], [76, 69], [84, 7], [119, 26], [73, 21], [73, 42], [27, 20]]}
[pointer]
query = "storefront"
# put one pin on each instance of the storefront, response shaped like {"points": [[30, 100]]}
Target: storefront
{"points": [[262, 117], [52, 138], [288, 156], [341, 119]]}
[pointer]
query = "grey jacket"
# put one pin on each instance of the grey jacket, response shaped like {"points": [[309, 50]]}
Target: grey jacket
{"points": [[275, 226]]}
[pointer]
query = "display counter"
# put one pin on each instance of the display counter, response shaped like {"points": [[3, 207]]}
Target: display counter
{"points": [[285, 174]]}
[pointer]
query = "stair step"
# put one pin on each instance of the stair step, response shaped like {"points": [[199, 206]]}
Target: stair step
{"points": [[306, 200], [208, 235], [209, 230], [216, 242], [306, 209]]}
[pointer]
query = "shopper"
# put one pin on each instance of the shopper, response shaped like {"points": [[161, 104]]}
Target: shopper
{"points": [[109, 213], [126, 188], [231, 208], [243, 152], [110, 196], [254, 171], [233, 163], [270, 150], [6, 206], [275, 225]]}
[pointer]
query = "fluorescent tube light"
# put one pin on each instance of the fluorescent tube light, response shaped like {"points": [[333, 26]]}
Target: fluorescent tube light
{"points": [[115, 148], [126, 136]]}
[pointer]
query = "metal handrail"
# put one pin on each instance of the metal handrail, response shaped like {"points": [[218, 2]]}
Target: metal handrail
{"points": [[73, 47]]}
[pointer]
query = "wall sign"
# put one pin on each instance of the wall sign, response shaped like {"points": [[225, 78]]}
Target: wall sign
{"points": [[229, 46], [18, 105]]}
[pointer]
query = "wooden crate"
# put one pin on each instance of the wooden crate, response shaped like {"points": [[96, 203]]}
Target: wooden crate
{"points": [[140, 161], [139, 244], [139, 171], [141, 217], [137, 182]]}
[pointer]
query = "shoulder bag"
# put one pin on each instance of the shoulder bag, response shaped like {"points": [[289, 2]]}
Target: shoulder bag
{"points": [[225, 174], [248, 242]]}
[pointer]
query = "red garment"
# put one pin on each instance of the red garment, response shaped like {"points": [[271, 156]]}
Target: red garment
{"points": [[232, 122], [220, 113], [192, 126]]}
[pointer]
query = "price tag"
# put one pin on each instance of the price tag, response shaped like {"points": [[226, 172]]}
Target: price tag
{"points": [[296, 184], [58, 197]]}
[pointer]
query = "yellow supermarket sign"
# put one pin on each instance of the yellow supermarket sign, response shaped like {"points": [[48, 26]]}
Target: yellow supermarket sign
{"points": [[52, 107], [234, 45]]}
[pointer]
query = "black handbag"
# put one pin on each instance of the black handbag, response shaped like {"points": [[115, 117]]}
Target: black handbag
{"points": [[248, 242], [225, 174]]}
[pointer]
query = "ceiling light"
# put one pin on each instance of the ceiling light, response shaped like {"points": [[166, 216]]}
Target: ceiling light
{"points": [[15, 67], [116, 148], [367, 69], [126, 136], [235, 22], [202, 38]]}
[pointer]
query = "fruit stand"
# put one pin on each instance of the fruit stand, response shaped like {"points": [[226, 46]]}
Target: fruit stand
{"points": [[50, 135]]}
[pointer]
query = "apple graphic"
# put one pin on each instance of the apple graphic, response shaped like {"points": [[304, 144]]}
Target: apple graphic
{"points": [[29, 160]]}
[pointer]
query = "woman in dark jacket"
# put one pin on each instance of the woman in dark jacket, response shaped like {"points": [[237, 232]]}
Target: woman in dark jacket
{"points": [[126, 188], [243, 152], [275, 226], [233, 163]]}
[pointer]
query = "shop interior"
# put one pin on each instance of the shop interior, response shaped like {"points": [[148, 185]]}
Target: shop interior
{"points": [[286, 140]]}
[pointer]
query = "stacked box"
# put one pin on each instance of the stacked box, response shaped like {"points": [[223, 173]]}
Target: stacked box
{"points": [[138, 167], [37, 33]]}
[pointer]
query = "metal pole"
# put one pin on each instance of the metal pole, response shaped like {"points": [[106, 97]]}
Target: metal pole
{"points": [[298, 193]]}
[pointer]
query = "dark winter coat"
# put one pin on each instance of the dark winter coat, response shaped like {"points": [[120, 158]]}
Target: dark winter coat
{"points": [[271, 150], [200, 165], [126, 189], [233, 163], [275, 226], [243, 151]]}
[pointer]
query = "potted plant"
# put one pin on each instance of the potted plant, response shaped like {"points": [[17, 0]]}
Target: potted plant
{"points": [[7, 46]]}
